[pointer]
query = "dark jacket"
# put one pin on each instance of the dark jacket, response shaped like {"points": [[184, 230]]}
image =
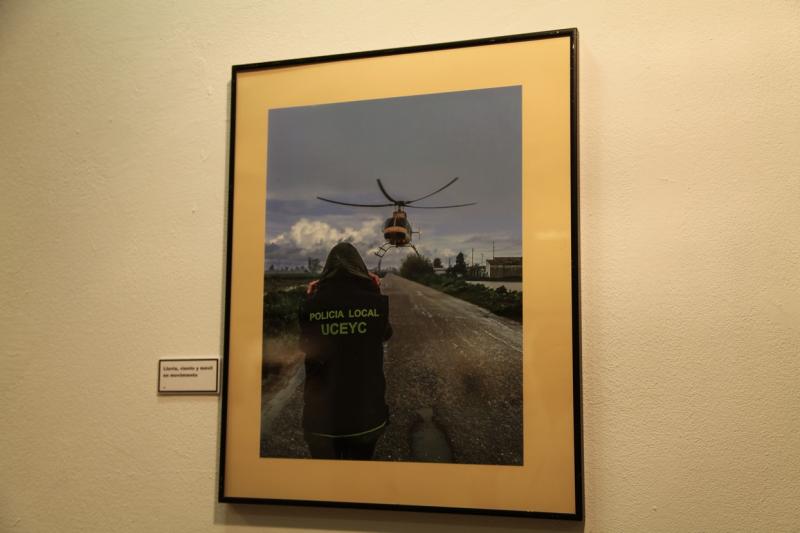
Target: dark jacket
{"points": [[342, 329]]}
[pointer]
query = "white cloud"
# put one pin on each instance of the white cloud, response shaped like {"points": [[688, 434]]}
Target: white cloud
{"points": [[312, 235]]}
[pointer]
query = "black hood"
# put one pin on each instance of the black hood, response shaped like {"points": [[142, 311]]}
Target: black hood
{"points": [[344, 262]]}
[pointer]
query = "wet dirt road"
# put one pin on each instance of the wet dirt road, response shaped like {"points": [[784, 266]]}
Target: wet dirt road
{"points": [[454, 384]]}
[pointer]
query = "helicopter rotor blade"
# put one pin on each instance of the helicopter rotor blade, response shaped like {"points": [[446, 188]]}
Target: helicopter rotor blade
{"points": [[439, 206], [386, 194], [440, 189], [351, 204]]}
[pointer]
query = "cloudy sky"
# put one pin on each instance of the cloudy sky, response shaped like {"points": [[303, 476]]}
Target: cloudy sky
{"points": [[414, 145]]}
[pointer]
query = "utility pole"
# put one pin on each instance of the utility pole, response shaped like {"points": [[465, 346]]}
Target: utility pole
{"points": [[492, 249], [472, 260]]}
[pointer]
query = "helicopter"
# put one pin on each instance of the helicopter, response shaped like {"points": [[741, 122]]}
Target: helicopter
{"points": [[397, 229]]}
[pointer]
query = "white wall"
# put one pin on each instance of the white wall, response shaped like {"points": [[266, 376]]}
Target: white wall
{"points": [[113, 135]]}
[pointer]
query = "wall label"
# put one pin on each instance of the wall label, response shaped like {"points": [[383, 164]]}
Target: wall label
{"points": [[188, 376]]}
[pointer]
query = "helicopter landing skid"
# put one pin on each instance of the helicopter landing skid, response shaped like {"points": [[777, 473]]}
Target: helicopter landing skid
{"points": [[385, 247]]}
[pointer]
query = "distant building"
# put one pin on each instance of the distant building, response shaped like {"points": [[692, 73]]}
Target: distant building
{"points": [[506, 268], [476, 271]]}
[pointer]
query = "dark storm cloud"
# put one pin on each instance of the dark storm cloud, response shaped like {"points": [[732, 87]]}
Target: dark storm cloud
{"points": [[414, 145]]}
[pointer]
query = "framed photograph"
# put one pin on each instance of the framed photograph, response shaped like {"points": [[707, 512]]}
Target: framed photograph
{"points": [[386, 346]]}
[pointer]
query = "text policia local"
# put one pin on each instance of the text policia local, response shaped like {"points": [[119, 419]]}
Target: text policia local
{"points": [[343, 328]]}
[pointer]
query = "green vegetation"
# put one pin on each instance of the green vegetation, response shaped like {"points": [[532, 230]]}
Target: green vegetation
{"points": [[499, 301], [280, 310], [283, 294], [416, 268]]}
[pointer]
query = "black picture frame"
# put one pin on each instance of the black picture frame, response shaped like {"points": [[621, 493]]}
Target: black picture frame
{"points": [[238, 482]]}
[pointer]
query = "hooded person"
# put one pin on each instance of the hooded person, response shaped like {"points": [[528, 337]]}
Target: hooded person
{"points": [[343, 324]]}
